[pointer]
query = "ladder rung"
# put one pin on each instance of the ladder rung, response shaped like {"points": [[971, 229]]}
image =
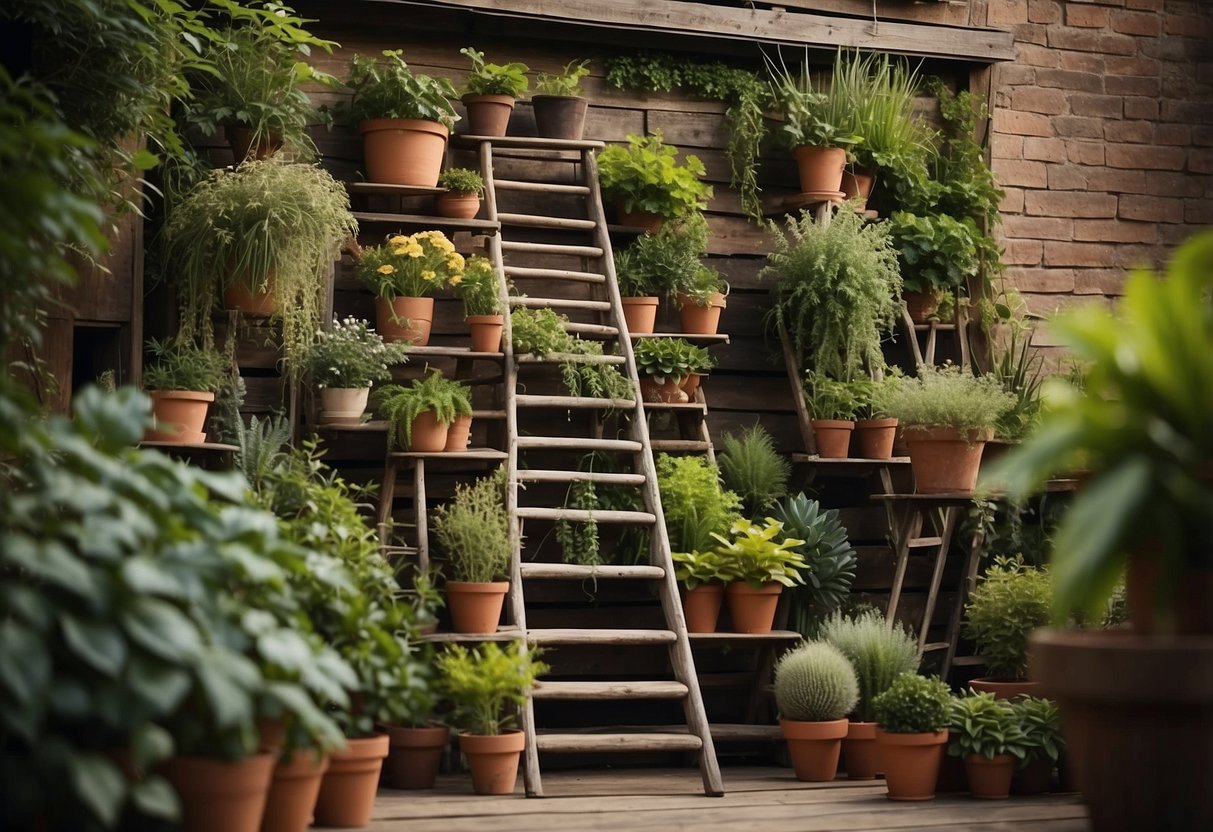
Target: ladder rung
{"points": [[526, 273], [569, 358], [536, 221], [488, 414], [577, 572], [610, 690], [924, 542], [577, 443], [679, 445], [598, 636], [968, 661], [935, 645], [541, 187], [604, 477], [561, 303], [573, 743], [574, 402], [580, 515], [551, 248], [598, 330]]}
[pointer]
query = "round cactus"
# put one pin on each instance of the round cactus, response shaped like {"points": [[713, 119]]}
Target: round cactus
{"points": [[815, 683]]}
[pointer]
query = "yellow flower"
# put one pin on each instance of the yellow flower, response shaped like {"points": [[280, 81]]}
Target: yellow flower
{"points": [[398, 240], [456, 280], [399, 252], [386, 268], [455, 262], [428, 275], [444, 245]]}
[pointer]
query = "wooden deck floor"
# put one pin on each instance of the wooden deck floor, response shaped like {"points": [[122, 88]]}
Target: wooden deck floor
{"points": [[764, 799]]}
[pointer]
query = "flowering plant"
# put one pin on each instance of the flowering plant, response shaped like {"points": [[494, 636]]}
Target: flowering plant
{"points": [[351, 354], [477, 287], [412, 266]]}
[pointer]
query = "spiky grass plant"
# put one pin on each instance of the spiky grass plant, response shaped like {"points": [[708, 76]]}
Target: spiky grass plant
{"points": [[878, 653], [815, 683], [754, 469]]}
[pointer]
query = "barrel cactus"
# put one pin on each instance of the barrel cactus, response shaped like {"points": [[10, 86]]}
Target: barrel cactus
{"points": [[815, 683]]}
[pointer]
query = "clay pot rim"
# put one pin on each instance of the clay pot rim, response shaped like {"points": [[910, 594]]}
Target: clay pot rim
{"points": [[357, 748], [719, 299], [858, 730], [459, 195], [188, 395], [410, 736], [876, 424], [485, 319], [640, 300], [833, 424], [484, 587], [490, 98], [800, 149], [709, 588], [509, 740], [800, 729], [546, 97], [944, 433], [420, 125], [917, 738]]}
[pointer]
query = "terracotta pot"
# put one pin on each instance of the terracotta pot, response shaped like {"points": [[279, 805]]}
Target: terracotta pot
{"points": [[476, 607], [559, 116], [415, 756], [700, 320], [178, 416], [859, 752], [920, 305], [293, 791], [493, 760], [814, 747], [911, 763], [217, 794], [241, 141], [820, 168], [405, 319], [403, 151], [990, 779], [1137, 715], [701, 606], [486, 332], [640, 314], [1004, 689], [944, 459], [457, 206], [1034, 778], [669, 391], [647, 220], [271, 735], [242, 297], [833, 437], [488, 115], [427, 434], [752, 609], [343, 405], [857, 184], [347, 792], [458, 434], [691, 383], [875, 438]]}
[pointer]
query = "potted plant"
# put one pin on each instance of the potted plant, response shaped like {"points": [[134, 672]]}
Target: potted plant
{"points": [[560, 103], [405, 119], [875, 429], [912, 719], [939, 255], [833, 405], [946, 416], [648, 185], [700, 574], [664, 262], [1039, 722], [464, 187], [473, 530], [415, 747], [344, 362], [759, 562], [664, 365], [880, 654], [480, 290], [815, 689], [701, 362], [830, 557], [985, 733], [181, 380], [403, 272], [701, 299], [1010, 601], [490, 93], [753, 467], [486, 684], [421, 414]]}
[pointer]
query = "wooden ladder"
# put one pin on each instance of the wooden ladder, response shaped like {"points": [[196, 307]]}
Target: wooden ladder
{"points": [[597, 270]]}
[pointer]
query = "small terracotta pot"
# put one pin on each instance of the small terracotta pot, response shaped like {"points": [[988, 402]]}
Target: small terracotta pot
{"points": [[820, 168], [405, 319], [857, 184], [647, 220], [242, 297], [427, 434], [559, 116], [293, 791], [911, 763], [945, 459], [1004, 690], [669, 391], [875, 438], [486, 332], [640, 314], [752, 609], [241, 141], [1034, 778], [700, 320], [347, 792], [691, 383], [493, 760], [457, 206], [458, 434], [859, 752], [488, 115], [814, 747], [833, 437], [415, 756], [179, 416], [217, 794], [343, 405], [920, 305], [990, 779], [403, 151], [701, 606], [476, 607]]}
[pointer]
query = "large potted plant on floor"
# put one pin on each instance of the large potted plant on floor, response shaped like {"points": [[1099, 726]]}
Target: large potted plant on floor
{"points": [[648, 185], [421, 414], [345, 360], [912, 719], [490, 93], [759, 561], [560, 103], [985, 733], [880, 654], [815, 689], [830, 557], [480, 290], [1010, 601], [404, 272], [486, 685], [473, 530], [464, 187], [1137, 706], [833, 405], [182, 379]]}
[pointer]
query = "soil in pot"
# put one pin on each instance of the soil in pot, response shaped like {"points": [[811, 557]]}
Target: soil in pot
{"points": [[217, 794], [457, 206], [814, 747], [990, 779], [343, 405], [415, 755], [700, 320], [833, 437], [859, 752], [405, 319], [752, 609], [249, 300], [493, 760], [945, 459], [458, 434], [559, 116], [911, 763], [669, 391], [875, 438], [476, 607], [701, 607], [428, 435], [347, 792], [403, 151], [1004, 689], [179, 416], [820, 168], [486, 332], [640, 314], [920, 305], [293, 791], [488, 115]]}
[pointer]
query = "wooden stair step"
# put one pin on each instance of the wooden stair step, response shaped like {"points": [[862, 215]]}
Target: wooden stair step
{"points": [[774, 635], [603, 331], [402, 220], [532, 142], [537, 221], [569, 358], [603, 477], [680, 445], [710, 339], [681, 407], [565, 635], [527, 273], [968, 661], [577, 572], [488, 454], [577, 743], [935, 645], [449, 352], [573, 402], [579, 515], [539, 187], [924, 542], [577, 443], [609, 690], [551, 248], [561, 303]]}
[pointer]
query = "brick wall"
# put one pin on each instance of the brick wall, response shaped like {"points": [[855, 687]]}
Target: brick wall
{"points": [[1102, 139]]}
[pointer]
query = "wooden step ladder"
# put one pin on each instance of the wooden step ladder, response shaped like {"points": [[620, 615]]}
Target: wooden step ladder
{"points": [[597, 271]]}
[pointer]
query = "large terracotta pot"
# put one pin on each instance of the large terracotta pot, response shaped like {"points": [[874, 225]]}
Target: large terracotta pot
{"points": [[945, 459], [179, 416], [428, 435], [476, 607], [814, 747], [241, 141], [218, 794], [857, 184], [701, 606], [250, 301], [486, 332], [1004, 690], [493, 760], [700, 320], [990, 778], [640, 314], [920, 305], [457, 206], [415, 755], [859, 752], [559, 116], [820, 168], [403, 151], [347, 792], [752, 609], [668, 392], [488, 115], [647, 220], [293, 791], [458, 434], [911, 763], [405, 319], [833, 437], [343, 405], [875, 438]]}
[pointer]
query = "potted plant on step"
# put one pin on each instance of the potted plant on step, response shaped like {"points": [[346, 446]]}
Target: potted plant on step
{"points": [[815, 689], [415, 748], [403, 273], [833, 405], [759, 561], [701, 299], [473, 530], [664, 365], [490, 93], [345, 360], [486, 685], [880, 654], [405, 119], [875, 429], [912, 719], [701, 577], [830, 557], [938, 254], [420, 415], [701, 362], [464, 188], [480, 290], [182, 380], [985, 733], [560, 103], [661, 263], [1039, 722], [1009, 602], [648, 185]]}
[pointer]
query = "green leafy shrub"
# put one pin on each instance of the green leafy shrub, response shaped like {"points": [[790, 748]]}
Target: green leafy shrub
{"points": [[400, 405], [881, 95], [645, 175], [830, 399], [486, 683], [701, 285], [879, 653], [949, 397], [494, 79], [541, 332], [694, 502], [815, 683], [695, 569], [179, 364], [565, 82], [937, 252], [474, 531], [668, 358], [761, 554], [478, 287], [827, 551], [351, 354], [414, 266], [815, 114], [389, 89], [1039, 722], [913, 704], [666, 263], [753, 468], [985, 726], [461, 181], [1010, 601]]}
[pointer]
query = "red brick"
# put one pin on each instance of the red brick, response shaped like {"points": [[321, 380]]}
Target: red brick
{"points": [[1013, 75], [1025, 174], [1152, 5], [1132, 66], [1032, 55], [1078, 40], [1078, 254], [1187, 112], [1073, 204], [1198, 211], [1007, 12], [1142, 24], [1067, 178], [1200, 161], [1033, 33], [1151, 209], [1115, 231], [1081, 62], [1202, 136], [1138, 132], [1188, 25], [1037, 100], [1114, 181], [1044, 150], [1166, 183], [1099, 282], [1138, 157], [1012, 201], [1022, 124], [1085, 153], [1039, 228], [1173, 234], [1088, 17], [1104, 106], [1003, 146], [1132, 85], [1118, 44], [1141, 108], [1132, 256], [1079, 127], [1023, 252], [1068, 79], [1043, 11], [1040, 280], [1173, 134]]}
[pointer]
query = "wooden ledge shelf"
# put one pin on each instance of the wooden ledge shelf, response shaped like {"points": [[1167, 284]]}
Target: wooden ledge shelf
{"points": [[427, 221], [814, 459], [452, 352], [720, 638], [384, 189], [504, 633], [200, 447], [381, 425], [485, 454], [682, 407], [710, 339], [530, 142]]}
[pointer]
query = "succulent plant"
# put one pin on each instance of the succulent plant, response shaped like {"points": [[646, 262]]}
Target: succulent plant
{"points": [[815, 683], [914, 704]]}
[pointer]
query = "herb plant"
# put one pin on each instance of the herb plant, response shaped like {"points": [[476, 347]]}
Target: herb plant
{"points": [[753, 468], [694, 502], [938, 253], [179, 364], [815, 683], [410, 266], [669, 262], [478, 287], [879, 653], [830, 399], [1010, 601], [461, 181], [351, 354], [389, 89], [666, 359], [913, 704], [880, 95], [645, 176], [1039, 723], [815, 114], [494, 79], [541, 332], [949, 397], [487, 683], [830, 557], [565, 82], [985, 726], [761, 554], [473, 530], [400, 405]]}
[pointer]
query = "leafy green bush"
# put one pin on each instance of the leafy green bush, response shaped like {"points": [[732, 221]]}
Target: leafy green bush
{"points": [[938, 253], [830, 399], [400, 405], [179, 364], [461, 181], [815, 683], [753, 468], [389, 89], [694, 502], [645, 176], [494, 79], [1039, 723], [541, 332], [487, 683], [827, 551], [1010, 601], [478, 287], [949, 397], [879, 653], [474, 531], [565, 82], [668, 358], [913, 704], [414, 266], [985, 726], [761, 554], [695, 569], [668, 262], [351, 354], [815, 114]]}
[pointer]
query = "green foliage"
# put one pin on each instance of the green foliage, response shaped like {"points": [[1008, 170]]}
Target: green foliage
{"points": [[494, 79], [879, 653], [874, 396], [1020, 369], [701, 284], [387, 88], [949, 397], [474, 531], [645, 175], [761, 554], [830, 399], [478, 287], [696, 568], [668, 262], [913, 704], [260, 444], [694, 502], [1039, 722], [985, 726], [538, 331], [937, 252], [428, 598], [880, 98], [179, 364], [827, 551], [837, 291], [413, 266], [1008, 603], [444, 397], [669, 358], [485, 683], [579, 542], [815, 683], [754, 469], [461, 181], [815, 113], [565, 82], [541, 332], [351, 354]]}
